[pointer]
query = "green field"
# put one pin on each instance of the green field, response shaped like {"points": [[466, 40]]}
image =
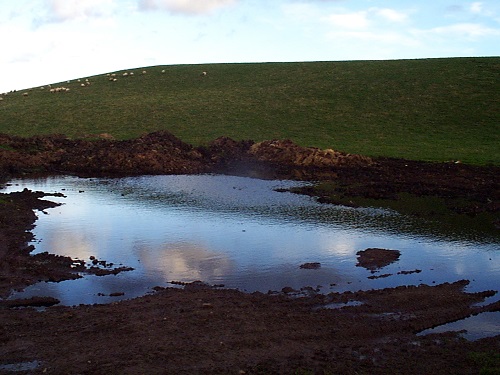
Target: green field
{"points": [[429, 109]]}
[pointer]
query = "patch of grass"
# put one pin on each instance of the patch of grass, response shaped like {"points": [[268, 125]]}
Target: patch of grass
{"points": [[489, 362], [430, 109]]}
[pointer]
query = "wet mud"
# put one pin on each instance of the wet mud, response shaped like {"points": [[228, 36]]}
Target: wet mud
{"points": [[373, 259], [196, 328]]}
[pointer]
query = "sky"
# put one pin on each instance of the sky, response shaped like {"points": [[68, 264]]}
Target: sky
{"points": [[49, 41]]}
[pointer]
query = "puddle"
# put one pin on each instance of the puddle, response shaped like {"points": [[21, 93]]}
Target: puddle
{"points": [[21, 366], [239, 232], [339, 305], [475, 327]]}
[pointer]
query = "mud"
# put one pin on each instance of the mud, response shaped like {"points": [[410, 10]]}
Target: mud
{"points": [[372, 259], [195, 328]]}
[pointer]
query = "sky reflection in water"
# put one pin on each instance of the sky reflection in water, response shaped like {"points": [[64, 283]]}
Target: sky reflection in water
{"points": [[238, 232]]}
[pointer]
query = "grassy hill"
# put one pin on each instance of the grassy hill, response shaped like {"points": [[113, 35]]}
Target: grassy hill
{"points": [[432, 109]]}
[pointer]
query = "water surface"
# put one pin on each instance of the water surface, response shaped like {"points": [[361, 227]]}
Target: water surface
{"points": [[239, 232]]}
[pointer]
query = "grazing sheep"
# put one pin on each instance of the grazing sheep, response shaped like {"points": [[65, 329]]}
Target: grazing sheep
{"points": [[125, 74], [203, 74], [59, 89], [25, 94], [143, 72], [163, 71]]}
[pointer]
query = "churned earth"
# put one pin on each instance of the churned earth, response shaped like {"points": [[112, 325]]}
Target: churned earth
{"points": [[200, 329]]}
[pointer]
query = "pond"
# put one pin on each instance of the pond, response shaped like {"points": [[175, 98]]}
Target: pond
{"points": [[242, 233]]}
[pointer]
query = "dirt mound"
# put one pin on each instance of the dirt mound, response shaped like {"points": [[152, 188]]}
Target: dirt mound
{"points": [[163, 153], [289, 153], [155, 153]]}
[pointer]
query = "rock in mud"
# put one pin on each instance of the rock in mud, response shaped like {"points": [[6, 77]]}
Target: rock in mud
{"points": [[311, 266], [373, 259]]}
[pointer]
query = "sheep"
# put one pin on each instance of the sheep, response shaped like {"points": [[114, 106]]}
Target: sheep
{"points": [[25, 94], [143, 72], [125, 74], [59, 89], [163, 71], [203, 74]]}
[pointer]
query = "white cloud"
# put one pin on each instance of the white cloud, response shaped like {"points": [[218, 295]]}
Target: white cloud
{"points": [[366, 19], [391, 15], [476, 8], [489, 11], [394, 38], [356, 20], [464, 30], [67, 10], [184, 6], [300, 11]]}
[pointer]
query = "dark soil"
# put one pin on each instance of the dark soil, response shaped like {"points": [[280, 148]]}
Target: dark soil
{"points": [[194, 328], [372, 259]]}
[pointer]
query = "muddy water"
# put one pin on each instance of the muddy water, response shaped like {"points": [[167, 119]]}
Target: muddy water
{"points": [[239, 232]]}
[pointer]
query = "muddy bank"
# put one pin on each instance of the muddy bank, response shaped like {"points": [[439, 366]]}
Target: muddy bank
{"points": [[18, 268], [199, 329], [163, 153], [205, 330], [471, 190]]}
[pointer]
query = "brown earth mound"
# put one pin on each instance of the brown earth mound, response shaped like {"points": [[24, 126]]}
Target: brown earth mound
{"points": [[286, 152], [156, 153]]}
